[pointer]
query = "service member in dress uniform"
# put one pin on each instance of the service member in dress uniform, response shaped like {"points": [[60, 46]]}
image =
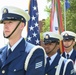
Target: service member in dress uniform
{"points": [[19, 57], [69, 42], [56, 64]]}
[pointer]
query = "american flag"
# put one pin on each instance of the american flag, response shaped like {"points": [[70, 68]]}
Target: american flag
{"points": [[33, 26]]}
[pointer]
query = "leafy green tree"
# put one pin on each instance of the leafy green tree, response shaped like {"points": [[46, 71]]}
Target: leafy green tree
{"points": [[70, 16]]}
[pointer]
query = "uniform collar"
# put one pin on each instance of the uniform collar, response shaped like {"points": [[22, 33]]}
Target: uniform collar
{"points": [[13, 47], [52, 58], [69, 53]]}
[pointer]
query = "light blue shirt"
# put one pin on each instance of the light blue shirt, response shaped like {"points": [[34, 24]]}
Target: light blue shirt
{"points": [[52, 58], [14, 46], [69, 53]]}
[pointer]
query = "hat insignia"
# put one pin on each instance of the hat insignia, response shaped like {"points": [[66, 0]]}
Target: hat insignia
{"points": [[22, 19], [5, 11], [66, 34], [47, 36]]}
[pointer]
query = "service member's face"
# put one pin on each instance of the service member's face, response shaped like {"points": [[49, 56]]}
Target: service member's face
{"points": [[9, 26], [51, 48], [68, 44]]}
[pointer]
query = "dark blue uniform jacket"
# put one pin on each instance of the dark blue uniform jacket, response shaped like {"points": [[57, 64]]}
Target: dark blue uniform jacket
{"points": [[14, 64], [51, 70]]}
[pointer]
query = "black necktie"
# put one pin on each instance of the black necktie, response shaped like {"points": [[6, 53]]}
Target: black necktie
{"points": [[67, 56], [48, 63], [9, 52]]}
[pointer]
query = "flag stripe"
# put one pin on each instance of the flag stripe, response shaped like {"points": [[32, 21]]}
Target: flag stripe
{"points": [[61, 28], [60, 17], [56, 24]]}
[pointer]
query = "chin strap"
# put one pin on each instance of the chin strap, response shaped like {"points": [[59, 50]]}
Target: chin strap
{"points": [[69, 45], [52, 49], [12, 31]]}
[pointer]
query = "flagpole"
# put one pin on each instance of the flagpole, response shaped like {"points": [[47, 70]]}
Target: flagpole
{"points": [[64, 15]]}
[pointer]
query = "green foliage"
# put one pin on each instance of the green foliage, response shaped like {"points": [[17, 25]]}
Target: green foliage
{"points": [[46, 27], [70, 16], [48, 0]]}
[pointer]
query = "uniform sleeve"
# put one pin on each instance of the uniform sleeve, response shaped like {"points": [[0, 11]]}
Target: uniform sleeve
{"points": [[70, 69], [36, 63]]}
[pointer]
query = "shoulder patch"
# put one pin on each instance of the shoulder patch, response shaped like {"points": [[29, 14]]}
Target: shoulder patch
{"points": [[38, 65]]}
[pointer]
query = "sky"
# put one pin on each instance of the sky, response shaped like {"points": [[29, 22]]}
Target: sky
{"points": [[23, 4]]}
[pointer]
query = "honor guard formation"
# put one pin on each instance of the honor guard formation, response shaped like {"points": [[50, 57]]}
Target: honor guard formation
{"points": [[56, 65], [19, 57]]}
